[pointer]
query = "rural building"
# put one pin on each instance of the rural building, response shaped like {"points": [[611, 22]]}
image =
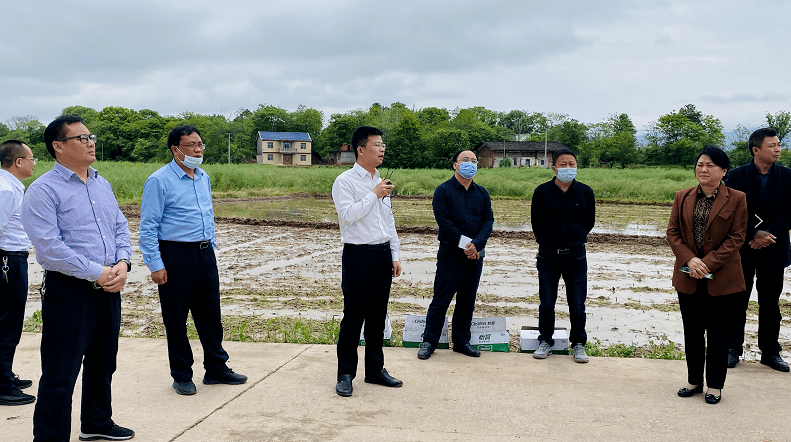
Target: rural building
{"points": [[284, 148], [342, 157], [521, 153]]}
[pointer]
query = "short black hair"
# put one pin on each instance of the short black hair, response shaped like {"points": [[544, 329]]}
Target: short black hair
{"points": [[717, 155], [360, 137], [58, 129], [174, 137], [11, 150], [757, 138], [562, 151]]}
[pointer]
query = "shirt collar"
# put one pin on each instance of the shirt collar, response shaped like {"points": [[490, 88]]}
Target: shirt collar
{"points": [[771, 171], [457, 184], [713, 195], [66, 173], [180, 172], [362, 172], [15, 181]]}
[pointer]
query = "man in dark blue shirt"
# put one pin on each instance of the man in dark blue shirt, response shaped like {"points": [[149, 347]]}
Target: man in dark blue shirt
{"points": [[463, 211], [562, 212], [766, 251]]}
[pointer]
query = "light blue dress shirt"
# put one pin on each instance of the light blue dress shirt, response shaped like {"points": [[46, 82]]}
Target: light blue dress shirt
{"points": [[174, 208], [12, 235], [76, 228]]}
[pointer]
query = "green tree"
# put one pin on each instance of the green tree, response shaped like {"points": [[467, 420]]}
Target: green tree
{"points": [[404, 149], [781, 122], [680, 135], [441, 144]]}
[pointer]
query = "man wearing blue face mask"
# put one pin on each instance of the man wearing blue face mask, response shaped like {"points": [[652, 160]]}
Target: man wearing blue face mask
{"points": [[562, 213], [177, 242], [463, 211]]}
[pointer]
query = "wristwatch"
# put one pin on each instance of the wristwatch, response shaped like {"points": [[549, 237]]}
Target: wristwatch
{"points": [[128, 264]]}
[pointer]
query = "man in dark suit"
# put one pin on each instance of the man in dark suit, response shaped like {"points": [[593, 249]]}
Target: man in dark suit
{"points": [[766, 251]]}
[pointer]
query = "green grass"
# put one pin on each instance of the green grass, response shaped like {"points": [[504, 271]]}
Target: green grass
{"points": [[664, 349], [642, 185]]}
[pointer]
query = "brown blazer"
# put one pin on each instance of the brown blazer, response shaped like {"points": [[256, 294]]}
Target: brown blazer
{"points": [[723, 237]]}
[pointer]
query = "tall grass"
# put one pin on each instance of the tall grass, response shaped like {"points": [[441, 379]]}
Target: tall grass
{"points": [[647, 185]]}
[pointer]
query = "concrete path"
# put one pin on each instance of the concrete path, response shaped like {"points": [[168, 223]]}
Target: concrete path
{"points": [[290, 396]]}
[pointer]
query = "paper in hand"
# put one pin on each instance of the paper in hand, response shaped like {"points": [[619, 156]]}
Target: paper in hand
{"points": [[464, 241]]}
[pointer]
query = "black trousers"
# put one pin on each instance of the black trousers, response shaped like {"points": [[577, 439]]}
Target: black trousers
{"points": [[456, 275], [572, 265], [769, 284], [13, 296], [81, 326], [705, 336], [193, 285], [366, 278]]}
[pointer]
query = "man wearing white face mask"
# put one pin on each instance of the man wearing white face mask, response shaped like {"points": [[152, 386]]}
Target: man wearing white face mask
{"points": [[563, 212], [463, 211], [177, 243]]}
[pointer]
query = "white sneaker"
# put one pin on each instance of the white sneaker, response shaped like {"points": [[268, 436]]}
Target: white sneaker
{"points": [[542, 351], [579, 354]]}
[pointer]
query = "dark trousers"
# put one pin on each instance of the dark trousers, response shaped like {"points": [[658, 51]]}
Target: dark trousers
{"points": [[13, 296], [80, 327], [705, 336], [366, 278], [769, 284], [456, 275], [572, 265], [193, 285]]}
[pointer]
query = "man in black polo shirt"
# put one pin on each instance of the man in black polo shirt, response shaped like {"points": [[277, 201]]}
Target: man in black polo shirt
{"points": [[463, 211], [563, 211], [766, 251]]}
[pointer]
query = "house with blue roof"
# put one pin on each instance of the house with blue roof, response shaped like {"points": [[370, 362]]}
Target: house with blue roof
{"points": [[283, 148]]}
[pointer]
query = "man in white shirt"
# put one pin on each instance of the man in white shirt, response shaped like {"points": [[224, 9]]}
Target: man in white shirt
{"points": [[370, 260], [17, 163]]}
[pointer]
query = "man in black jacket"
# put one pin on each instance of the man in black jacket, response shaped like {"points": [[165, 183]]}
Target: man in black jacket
{"points": [[766, 251]]}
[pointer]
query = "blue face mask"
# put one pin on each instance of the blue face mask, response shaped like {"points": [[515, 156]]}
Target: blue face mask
{"points": [[191, 162], [467, 170], [567, 174]]}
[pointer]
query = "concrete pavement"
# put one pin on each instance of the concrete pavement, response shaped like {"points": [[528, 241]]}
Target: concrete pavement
{"points": [[290, 396]]}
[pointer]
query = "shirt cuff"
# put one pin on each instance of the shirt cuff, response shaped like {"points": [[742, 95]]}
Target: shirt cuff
{"points": [[394, 255], [94, 271], [155, 265]]}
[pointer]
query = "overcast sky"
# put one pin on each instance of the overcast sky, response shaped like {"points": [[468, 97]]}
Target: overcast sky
{"points": [[582, 58]]}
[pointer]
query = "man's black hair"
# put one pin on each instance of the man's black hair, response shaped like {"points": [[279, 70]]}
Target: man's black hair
{"points": [[11, 150], [757, 138], [174, 137], [360, 137], [562, 151], [58, 129]]}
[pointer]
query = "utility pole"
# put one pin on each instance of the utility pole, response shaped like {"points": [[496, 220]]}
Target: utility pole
{"points": [[546, 164], [229, 148]]}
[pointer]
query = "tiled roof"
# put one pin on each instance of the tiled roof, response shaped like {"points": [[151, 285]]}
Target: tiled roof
{"points": [[284, 136]]}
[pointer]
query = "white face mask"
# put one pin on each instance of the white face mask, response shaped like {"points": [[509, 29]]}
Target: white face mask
{"points": [[190, 162]]}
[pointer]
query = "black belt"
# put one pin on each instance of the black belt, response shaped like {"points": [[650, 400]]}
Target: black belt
{"points": [[382, 246], [187, 245], [9, 253], [560, 251]]}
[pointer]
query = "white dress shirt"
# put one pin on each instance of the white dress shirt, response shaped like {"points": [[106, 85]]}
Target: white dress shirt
{"points": [[12, 235], [363, 218]]}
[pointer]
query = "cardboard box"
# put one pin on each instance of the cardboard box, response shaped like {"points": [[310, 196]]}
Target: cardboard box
{"points": [[387, 340], [415, 325], [482, 325], [490, 341], [528, 340]]}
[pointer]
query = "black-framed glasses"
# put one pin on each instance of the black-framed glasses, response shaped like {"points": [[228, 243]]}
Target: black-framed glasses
{"points": [[193, 146], [83, 138]]}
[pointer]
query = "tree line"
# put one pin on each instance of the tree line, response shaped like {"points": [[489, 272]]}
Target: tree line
{"points": [[415, 138]]}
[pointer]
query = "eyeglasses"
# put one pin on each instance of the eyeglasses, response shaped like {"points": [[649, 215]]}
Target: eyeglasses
{"points": [[380, 145], [83, 138], [34, 160], [468, 160], [194, 146]]}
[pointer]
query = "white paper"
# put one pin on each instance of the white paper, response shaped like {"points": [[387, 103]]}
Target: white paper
{"points": [[464, 241]]}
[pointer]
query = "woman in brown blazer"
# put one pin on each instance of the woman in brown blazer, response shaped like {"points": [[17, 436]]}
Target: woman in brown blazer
{"points": [[706, 229]]}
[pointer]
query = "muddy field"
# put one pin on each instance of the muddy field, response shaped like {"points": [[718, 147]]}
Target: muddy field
{"points": [[275, 270]]}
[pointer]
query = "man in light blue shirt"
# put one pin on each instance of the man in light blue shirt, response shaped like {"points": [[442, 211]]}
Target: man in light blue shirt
{"points": [[17, 162], [82, 241], [177, 242]]}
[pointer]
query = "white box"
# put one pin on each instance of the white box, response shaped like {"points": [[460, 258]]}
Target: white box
{"points": [[494, 324], [415, 325], [491, 341], [387, 339], [528, 340]]}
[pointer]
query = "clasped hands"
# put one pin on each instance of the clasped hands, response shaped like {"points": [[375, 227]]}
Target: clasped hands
{"points": [[697, 268], [113, 278], [471, 251]]}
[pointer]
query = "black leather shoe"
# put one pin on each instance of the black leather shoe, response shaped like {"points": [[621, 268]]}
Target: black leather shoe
{"points": [[684, 392], [733, 358], [711, 399], [426, 349], [114, 433], [14, 396], [186, 388], [775, 361], [21, 383], [466, 349], [383, 378], [344, 385], [225, 377]]}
